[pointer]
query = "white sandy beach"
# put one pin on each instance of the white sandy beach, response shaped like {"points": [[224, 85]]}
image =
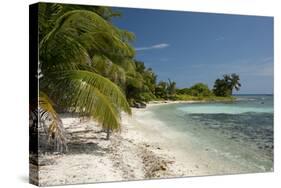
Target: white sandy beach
{"points": [[133, 153]]}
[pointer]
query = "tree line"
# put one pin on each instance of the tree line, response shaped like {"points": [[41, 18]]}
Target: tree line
{"points": [[222, 88]]}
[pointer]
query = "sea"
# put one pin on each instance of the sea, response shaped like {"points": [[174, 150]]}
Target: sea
{"points": [[239, 132]]}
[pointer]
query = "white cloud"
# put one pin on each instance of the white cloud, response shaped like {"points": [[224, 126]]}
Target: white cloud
{"points": [[156, 46]]}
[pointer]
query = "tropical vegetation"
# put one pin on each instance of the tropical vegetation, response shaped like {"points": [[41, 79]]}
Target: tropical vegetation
{"points": [[224, 87], [87, 66], [81, 55]]}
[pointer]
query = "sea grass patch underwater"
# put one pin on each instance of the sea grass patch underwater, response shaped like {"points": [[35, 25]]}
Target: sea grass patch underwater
{"points": [[239, 132]]}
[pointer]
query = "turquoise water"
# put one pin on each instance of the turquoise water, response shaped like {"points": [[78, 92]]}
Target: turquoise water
{"points": [[240, 132]]}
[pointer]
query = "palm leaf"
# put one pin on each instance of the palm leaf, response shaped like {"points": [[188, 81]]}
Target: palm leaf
{"points": [[108, 69], [69, 76], [91, 94], [104, 85], [78, 32], [55, 130]]}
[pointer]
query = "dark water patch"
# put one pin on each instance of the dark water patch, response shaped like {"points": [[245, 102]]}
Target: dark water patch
{"points": [[255, 129], [241, 132]]}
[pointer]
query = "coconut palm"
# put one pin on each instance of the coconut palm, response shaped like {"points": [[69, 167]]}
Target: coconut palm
{"points": [[235, 82], [225, 86], [69, 41], [171, 88], [161, 90]]}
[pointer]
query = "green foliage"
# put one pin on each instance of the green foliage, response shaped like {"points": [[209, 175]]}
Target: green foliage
{"points": [[185, 97], [108, 69], [46, 105], [140, 83], [88, 67], [147, 96], [225, 86], [49, 13], [53, 127], [80, 54], [200, 89], [197, 90], [183, 91], [166, 90], [161, 90], [171, 87]]}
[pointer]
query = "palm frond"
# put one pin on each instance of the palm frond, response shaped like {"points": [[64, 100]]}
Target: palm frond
{"points": [[55, 129], [109, 69], [80, 31], [91, 94], [104, 85], [71, 78]]}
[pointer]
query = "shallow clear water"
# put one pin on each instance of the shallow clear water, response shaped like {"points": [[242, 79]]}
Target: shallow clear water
{"points": [[240, 132]]}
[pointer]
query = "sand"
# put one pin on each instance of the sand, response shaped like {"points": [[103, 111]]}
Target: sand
{"points": [[130, 154]]}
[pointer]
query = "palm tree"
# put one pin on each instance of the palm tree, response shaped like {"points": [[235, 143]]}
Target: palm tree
{"points": [[171, 88], [235, 82], [161, 90], [225, 86], [68, 48], [140, 83]]}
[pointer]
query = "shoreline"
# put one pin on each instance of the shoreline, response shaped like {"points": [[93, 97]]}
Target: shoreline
{"points": [[165, 102], [93, 159], [135, 153], [155, 103], [128, 155]]}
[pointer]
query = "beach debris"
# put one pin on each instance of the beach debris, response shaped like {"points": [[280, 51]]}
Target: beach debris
{"points": [[139, 105], [154, 165]]}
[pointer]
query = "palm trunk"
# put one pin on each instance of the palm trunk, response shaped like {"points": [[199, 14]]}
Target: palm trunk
{"points": [[107, 133]]}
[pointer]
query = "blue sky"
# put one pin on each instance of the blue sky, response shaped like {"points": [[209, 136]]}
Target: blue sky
{"points": [[190, 47]]}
